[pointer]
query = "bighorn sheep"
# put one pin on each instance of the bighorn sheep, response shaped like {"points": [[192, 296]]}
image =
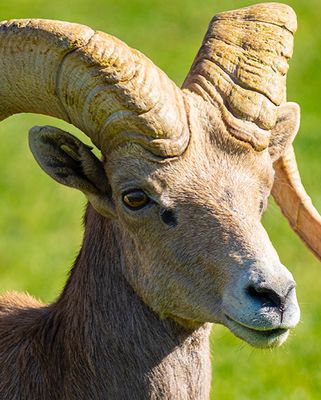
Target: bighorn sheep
{"points": [[173, 241]]}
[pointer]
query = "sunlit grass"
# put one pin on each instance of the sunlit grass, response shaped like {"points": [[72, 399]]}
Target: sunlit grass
{"points": [[40, 221]]}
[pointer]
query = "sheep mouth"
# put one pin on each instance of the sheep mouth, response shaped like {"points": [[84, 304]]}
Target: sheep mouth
{"points": [[258, 337]]}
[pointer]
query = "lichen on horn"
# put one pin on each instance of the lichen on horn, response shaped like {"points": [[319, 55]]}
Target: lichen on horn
{"points": [[241, 68], [92, 80]]}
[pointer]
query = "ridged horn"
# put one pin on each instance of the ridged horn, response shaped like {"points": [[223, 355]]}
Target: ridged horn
{"points": [[295, 204], [93, 81], [241, 68]]}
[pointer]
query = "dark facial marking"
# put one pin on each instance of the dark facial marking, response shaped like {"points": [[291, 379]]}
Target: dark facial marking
{"points": [[261, 206], [168, 217]]}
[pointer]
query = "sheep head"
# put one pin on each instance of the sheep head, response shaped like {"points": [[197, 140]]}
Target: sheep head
{"points": [[185, 174]]}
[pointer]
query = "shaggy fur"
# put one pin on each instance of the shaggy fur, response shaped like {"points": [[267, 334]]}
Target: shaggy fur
{"points": [[99, 340]]}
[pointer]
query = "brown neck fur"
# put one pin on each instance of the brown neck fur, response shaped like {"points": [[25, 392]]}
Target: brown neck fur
{"points": [[99, 340]]}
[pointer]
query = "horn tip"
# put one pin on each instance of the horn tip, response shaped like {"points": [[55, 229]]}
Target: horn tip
{"points": [[278, 14]]}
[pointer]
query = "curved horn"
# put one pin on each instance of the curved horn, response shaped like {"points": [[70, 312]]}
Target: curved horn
{"points": [[241, 68], [92, 80], [294, 202]]}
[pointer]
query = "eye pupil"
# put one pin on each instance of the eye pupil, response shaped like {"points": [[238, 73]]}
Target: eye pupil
{"points": [[135, 199]]}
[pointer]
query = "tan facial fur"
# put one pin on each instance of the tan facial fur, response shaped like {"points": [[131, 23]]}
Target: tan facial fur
{"points": [[212, 239]]}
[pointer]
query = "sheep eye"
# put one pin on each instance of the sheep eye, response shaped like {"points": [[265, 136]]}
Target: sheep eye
{"points": [[135, 199]]}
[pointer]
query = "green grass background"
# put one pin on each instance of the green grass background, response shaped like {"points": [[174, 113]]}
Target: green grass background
{"points": [[40, 221]]}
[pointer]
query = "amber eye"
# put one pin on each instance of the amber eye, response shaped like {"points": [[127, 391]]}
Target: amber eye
{"points": [[135, 199]]}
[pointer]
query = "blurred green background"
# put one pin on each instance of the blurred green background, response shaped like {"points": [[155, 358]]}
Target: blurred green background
{"points": [[40, 221]]}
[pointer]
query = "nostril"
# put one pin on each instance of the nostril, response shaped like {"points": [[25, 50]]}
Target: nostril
{"points": [[266, 296], [290, 288]]}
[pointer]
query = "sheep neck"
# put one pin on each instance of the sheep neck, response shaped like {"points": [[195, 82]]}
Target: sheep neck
{"points": [[127, 351]]}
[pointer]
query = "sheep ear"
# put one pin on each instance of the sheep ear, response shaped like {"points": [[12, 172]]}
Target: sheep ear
{"points": [[70, 162], [285, 130]]}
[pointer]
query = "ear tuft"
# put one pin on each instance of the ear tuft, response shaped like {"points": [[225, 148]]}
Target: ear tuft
{"points": [[70, 162], [71, 152], [285, 130]]}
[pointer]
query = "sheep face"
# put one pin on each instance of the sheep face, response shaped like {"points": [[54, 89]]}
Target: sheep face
{"points": [[194, 247]]}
